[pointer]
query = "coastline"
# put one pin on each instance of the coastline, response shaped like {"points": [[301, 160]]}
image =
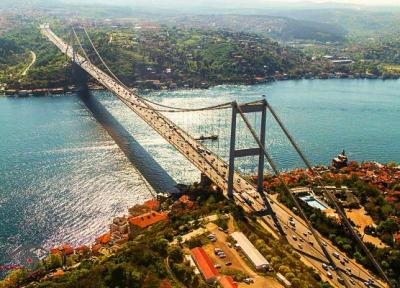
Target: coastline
{"points": [[72, 89]]}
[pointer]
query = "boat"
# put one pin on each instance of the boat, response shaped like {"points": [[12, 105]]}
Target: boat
{"points": [[207, 137]]}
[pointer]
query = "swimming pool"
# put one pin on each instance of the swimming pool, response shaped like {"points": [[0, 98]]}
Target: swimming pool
{"points": [[313, 202]]}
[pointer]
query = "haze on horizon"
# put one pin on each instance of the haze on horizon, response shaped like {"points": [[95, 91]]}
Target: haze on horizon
{"points": [[239, 3]]}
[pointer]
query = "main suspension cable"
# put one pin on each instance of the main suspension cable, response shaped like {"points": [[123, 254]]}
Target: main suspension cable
{"points": [[329, 195], [228, 105], [282, 181]]}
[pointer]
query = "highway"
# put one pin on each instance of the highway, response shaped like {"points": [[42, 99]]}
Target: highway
{"points": [[217, 170]]}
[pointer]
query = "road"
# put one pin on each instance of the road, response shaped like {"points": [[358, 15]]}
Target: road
{"points": [[30, 65], [217, 170]]}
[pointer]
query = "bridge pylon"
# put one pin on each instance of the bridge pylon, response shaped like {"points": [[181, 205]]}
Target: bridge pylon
{"points": [[234, 153], [79, 76]]}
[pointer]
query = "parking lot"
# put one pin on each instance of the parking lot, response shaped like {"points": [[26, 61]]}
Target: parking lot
{"points": [[233, 256]]}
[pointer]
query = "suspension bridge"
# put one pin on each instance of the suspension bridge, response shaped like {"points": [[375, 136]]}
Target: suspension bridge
{"points": [[314, 248]]}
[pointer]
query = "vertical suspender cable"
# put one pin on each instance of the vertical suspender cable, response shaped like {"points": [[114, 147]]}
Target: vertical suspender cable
{"points": [[330, 196]]}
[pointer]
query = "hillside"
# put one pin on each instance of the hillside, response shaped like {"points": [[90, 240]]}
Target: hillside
{"points": [[282, 28], [146, 57], [159, 253]]}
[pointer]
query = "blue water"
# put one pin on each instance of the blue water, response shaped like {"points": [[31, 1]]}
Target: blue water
{"points": [[324, 116], [62, 176]]}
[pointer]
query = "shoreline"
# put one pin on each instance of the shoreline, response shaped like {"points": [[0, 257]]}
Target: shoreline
{"points": [[73, 89]]}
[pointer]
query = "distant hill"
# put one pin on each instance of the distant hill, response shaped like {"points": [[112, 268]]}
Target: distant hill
{"points": [[27, 3], [360, 21], [283, 28]]}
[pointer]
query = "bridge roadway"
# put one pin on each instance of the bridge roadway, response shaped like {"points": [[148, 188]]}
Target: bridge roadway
{"points": [[217, 170]]}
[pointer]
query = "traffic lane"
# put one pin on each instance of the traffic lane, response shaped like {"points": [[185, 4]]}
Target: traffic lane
{"points": [[315, 257], [112, 84], [330, 247], [214, 159], [311, 255], [355, 268]]}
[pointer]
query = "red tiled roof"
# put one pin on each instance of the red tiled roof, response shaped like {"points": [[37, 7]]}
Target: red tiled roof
{"points": [[55, 251], [204, 263], [152, 204], [81, 248], [227, 282], [63, 249], [147, 219], [104, 239], [58, 273], [184, 199], [67, 249], [96, 247]]}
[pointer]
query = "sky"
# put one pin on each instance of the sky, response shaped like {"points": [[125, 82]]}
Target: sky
{"points": [[244, 3], [260, 3], [359, 2]]}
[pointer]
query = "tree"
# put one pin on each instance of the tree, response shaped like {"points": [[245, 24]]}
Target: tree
{"points": [[53, 261], [160, 246], [176, 254], [388, 226]]}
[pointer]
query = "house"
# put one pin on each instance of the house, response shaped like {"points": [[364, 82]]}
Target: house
{"points": [[81, 249], [96, 248], [104, 239], [147, 219], [184, 199], [205, 265], [152, 204], [251, 252], [64, 249]]}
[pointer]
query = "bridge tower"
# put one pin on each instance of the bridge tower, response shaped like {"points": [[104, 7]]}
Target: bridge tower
{"points": [[233, 153], [80, 77]]}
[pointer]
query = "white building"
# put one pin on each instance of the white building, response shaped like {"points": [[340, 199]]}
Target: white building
{"points": [[250, 251], [283, 280]]}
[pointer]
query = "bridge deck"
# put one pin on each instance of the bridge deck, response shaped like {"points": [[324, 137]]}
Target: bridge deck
{"points": [[216, 168]]}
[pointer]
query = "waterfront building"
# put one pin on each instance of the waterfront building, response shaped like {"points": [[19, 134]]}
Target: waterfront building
{"points": [[119, 230], [340, 161], [147, 219], [152, 204]]}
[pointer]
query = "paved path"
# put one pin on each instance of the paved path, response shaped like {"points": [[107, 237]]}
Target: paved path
{"points": [[30, 65]]}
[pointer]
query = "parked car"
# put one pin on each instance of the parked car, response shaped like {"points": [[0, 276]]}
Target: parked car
{"points": [[248, 280]]}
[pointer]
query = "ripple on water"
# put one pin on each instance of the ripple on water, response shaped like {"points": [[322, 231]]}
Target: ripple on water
{"points": [[63, 178]]}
